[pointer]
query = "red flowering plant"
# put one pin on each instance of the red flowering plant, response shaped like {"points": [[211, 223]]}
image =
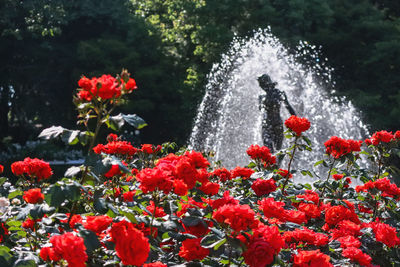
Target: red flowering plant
{"points": [[158, 206]]}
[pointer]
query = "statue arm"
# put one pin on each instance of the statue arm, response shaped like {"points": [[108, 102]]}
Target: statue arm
{"points": [[260, 102], [288, 106]]}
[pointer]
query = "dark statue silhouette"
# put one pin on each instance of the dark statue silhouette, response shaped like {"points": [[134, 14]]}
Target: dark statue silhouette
{"points": [[270, 104]]}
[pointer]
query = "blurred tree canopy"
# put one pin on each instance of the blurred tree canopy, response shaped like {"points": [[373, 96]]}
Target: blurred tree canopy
{"points": [[169, 47]]}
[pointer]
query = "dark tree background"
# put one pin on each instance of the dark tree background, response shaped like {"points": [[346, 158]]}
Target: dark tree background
{"points": [[169, 47]]}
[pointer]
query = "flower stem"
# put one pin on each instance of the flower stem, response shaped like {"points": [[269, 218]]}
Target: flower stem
{"points": [[289, 165], [327, 178]]}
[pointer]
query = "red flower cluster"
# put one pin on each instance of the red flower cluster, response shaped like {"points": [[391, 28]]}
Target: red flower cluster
{"points": [[338, 147], [274, 209], [387, 188], [381, 137], [245, 173], [297, 124], [97, 224], [261, 153], [105, 87], [262, 246], [1, 168], [263, 187], [33, 196], [116, 148], [385, 233], [131, 245], [30, 223], [284, 173], [357, 255], [155, 264], [238, 217], [192, 250], [225, 200], [153, 179], [311, 258], [209, 188], [68, 247], [33, 168], [306, 236], [150, 149], [336, 214], [223, 174], [188, 169]]}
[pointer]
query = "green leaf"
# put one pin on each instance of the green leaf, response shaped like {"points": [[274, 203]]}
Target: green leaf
{"points": [[72, 171], [134, 120], [131, 217], [91, 240], [100, 205], [24, 263], [5, 256], [51, 132], [318, 163], [54, 196], [2, 180], [70, 137], [14, 194]]}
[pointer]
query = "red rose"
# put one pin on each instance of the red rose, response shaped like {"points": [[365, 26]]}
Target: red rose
{"points": [[306, 236], [30, 223], [261, 153], [153, 179], [131, 245], [263, 187], [382, 136], [97, 224], [1, 168], [349, 241], [197, 159], [155, 264], [295, 216], [48, 254], [245, 173], [71, 248], [284, 173], [116, 148], [209, 188], [128, 196], [338, 147], [238, 217], [272, 208], [311, 210], [180, 188], [223, 174], [131, 85], [357, 255], [337, 177], [311, 258], [76, 218], [33, 196], [226, 199], [336, 214], [159, 211], [34, 168], [263, 245], [192, 250], [113, 171], [385, 233], [297, 125]]}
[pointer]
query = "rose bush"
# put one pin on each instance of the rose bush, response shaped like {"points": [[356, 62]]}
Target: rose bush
{"points": [[163, 206]]}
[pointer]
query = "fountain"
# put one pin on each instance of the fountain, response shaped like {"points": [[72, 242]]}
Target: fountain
{"points": [[229, 118]]}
